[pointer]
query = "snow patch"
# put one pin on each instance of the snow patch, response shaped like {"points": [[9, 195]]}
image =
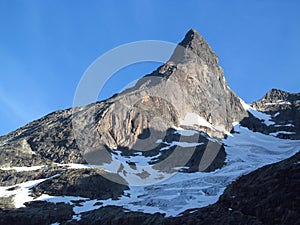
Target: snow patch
{"points": [[23, 168], [276, 114], [279, 103], [5, 143], [235, 123], [285, 125], [21, 192], [192, 119], [186, 132], [79, 166], [87, 206], [246, 151], [76, 217], [182, 144], [84, 206], [266, 118], [281, 132], [132, 175]]}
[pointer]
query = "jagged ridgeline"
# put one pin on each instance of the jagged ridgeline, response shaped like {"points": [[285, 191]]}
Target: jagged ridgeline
{"points": [[187, 92], [135, 157]]}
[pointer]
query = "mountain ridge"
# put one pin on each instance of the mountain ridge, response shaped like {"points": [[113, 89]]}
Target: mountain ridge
{"points": [[204, 134]]}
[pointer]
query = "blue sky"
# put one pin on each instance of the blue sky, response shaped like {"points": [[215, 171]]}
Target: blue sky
{"points": [[45, 46]]}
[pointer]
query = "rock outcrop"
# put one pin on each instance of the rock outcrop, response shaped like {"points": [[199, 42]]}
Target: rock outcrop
{"points": [[284, 109], [266, 196], [277, 100], [189, 87]]}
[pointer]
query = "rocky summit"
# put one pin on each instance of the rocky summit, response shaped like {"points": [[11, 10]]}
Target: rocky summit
{"points": [[179, 147]]}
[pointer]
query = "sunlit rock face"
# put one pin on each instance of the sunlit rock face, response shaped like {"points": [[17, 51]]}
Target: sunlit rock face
{"points": [[188, 91]]}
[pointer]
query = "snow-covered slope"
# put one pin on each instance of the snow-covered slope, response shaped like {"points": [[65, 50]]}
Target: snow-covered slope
{"points": [[246, 151], [265, 118]]}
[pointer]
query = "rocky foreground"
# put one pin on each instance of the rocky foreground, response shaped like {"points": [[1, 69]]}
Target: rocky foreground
{"points": [[269, 195]]}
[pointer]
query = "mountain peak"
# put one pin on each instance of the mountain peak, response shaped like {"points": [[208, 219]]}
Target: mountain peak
{"points": [[276, 94], [192, 36], [276, 99], [276, 90], [194, 46]]}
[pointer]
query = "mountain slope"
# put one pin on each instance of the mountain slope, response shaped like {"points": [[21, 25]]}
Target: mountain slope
{"points": [[189, 87], [276, 201], [169, 146], [268, 195], [283, 109]]}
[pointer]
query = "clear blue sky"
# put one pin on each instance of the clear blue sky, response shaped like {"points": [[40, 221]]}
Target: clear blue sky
{"points": [[45, 46]]}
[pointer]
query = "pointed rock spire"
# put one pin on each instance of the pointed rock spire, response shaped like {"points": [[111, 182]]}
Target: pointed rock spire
{"points": [[194, 46]]}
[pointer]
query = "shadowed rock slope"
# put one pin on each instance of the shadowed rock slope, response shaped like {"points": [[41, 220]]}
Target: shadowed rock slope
{"points": [[284, 108], [269, 195]]}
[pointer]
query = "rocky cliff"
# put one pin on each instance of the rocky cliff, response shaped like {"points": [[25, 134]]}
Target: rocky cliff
{"points": [[161, 152], [189, 91], [284, 110], [191, 85]]}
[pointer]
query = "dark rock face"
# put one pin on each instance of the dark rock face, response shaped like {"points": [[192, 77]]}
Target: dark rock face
{"points": [[84, 183], [116, 215], [268, 195], [284, 107], [41, 142], [276, 100], [37, 213], [12, 177]]}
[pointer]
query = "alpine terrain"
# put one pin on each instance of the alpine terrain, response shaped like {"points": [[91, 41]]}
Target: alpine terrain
{"points": [[179, 147]]}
